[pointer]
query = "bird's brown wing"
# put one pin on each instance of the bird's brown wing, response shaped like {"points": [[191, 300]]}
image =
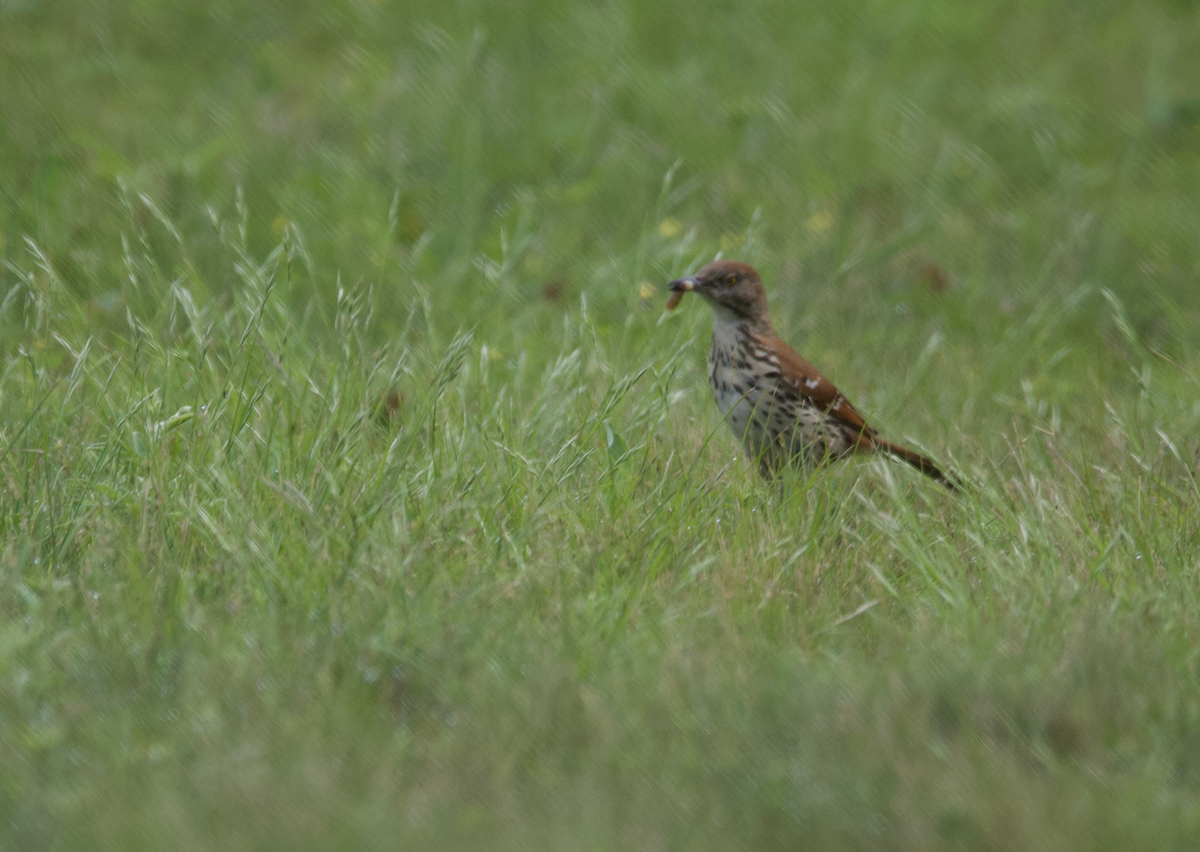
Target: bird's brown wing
{"points": [[810, 385], [817, 390], [800, 377]]}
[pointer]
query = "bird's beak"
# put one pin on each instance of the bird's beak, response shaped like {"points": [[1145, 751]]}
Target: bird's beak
{"points": [[683, 285]]}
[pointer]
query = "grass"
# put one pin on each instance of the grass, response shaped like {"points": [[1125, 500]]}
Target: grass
{"points": [[355, 493]]}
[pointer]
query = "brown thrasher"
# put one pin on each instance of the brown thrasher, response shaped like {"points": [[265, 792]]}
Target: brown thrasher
{"points": [[781, 408]]}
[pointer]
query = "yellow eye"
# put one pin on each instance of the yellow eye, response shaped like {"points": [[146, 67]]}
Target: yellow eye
{"points": [[731, 280]]}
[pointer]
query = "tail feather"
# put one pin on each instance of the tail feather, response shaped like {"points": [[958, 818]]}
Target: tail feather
{"points": [[922, 463]]}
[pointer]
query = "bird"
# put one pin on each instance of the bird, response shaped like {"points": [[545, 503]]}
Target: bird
{"points": [[778, 404]]}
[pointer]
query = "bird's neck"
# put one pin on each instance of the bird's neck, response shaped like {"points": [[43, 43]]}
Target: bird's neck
{"points": [[728, 323]]}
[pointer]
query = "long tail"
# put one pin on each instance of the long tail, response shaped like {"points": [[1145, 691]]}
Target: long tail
{"points": [[922, 463]]}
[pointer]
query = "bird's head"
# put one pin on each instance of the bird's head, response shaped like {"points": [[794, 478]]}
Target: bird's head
{"points": [[732, 288]]}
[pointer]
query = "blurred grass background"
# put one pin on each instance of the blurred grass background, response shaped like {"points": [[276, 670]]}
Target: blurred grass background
{"points": [[355, 494]]}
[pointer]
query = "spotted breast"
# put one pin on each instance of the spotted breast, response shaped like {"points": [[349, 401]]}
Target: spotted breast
{"points": [[772, 417]]}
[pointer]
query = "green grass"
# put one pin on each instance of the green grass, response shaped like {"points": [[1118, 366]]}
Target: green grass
{"points": [[537, 601]]}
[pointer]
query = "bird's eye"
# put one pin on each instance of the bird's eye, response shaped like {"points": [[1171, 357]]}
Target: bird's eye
{"points": [[731, 280]]}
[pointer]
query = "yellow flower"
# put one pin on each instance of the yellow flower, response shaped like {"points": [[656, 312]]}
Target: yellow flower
{"points": [[646, 291], [279, 226], [820, 221], [669, 227]]}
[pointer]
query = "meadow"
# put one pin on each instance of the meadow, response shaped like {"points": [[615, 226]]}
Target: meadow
{"points": [[356, 492]]}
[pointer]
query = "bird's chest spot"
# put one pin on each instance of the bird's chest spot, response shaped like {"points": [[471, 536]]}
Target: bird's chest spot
{"points": [[748, 393], [770, 416]]}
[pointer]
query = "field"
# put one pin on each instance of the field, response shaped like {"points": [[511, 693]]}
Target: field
{"points": [[356, 492]]}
